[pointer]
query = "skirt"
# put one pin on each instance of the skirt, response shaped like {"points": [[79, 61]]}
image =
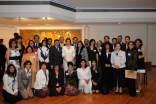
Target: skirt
{"points": [[71, 90]]}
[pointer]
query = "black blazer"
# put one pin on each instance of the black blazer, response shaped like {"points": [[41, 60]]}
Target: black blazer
{"points": [[106, 60], [123, 46], [53, 80], [55, 56]]}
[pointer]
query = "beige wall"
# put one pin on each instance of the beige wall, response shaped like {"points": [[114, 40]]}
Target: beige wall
{"points": [[6, 33]]}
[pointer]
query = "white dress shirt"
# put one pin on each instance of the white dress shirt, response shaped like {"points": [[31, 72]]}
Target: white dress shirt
{"points": [[41, 80], [118, 59], [45, 52], [10, 84]]}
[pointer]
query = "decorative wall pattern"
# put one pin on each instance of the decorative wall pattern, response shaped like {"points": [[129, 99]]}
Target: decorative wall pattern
{"points": [[54, 34]]}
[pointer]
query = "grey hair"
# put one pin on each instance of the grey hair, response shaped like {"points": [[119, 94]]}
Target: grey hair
{"points": [[99, 41]]}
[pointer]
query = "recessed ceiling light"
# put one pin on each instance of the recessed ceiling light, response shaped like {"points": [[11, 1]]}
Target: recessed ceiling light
{"points": [[29, 24], [47, 24], [119, 23]]}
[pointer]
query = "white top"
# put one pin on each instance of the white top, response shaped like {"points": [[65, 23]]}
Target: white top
{"points": [[61, 44], [84, 74], [10, 85], [14, 53], [28, 73], [68, 53], [118, 59], [45, 52], [41, 80]]}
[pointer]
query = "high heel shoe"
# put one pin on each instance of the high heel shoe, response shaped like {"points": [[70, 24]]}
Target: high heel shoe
{"points": [[139, 89]]}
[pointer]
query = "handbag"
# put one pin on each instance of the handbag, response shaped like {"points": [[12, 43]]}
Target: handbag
{"points": [[129, 74]]}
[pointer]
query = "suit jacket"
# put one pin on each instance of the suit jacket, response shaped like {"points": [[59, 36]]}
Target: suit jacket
{"points": [[105, 59], [53, 80], [2, 53], [40, 45], [24, 81], [123, 46], [55, 56]]}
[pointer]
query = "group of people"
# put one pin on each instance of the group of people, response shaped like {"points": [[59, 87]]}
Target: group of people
{"points": [[43, 69]]}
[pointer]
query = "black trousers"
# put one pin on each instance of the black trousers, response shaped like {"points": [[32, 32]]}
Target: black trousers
{"points": [[2, 65], [109, 77], [11, 98], [131, 86], [119, 74]]}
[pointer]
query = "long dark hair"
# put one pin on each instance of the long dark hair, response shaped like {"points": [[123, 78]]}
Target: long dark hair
{"points": [[128, 50], [141, 44], [77, 49], [9, 73], [85, 63], [107, 43]]}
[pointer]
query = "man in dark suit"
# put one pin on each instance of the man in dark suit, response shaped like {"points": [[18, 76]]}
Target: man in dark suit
{"points": [[49, 43], [36, 40], [114, 40], [127, 40], [86, 43], [2, 58], [55, 54], [61, 42], [75, 41], [106, 39], [123, 45]]}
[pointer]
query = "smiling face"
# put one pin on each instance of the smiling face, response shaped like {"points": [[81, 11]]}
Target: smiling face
{"points": [[29, 50], [12, 69], [117, 47], [79, 45], [131, 45], [28, 66], [83, 63], [13, 44]]}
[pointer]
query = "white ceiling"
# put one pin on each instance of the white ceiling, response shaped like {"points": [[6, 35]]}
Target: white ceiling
{"points": [[107, 4]]}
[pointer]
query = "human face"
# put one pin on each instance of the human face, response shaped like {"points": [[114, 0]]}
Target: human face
{"points": [[68, 42], [56, 68], [43, 67], [127, 40], [92, 43], [119, 39], [28, 66], [49, 42], [75, 40], [70, 67], [114, 41], [13, 44], [12, 69], [130, 45], [107, 46], [36, 39], [19, 40], [106, 39], [137, 43], [29, 50], [83, 63], [44, 43], [79, 45], [117, 47], [86, 42], [99, 44], [31, 44], [61, 40], [56, 43], [94, 64]]}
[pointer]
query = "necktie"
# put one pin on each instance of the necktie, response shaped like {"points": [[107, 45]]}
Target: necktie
{"points": [[58, 48]]}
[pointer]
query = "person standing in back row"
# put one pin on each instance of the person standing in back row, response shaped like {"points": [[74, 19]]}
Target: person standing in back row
{"points": [[123, 45]]}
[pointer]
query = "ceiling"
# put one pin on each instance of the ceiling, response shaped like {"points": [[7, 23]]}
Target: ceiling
{"points": [[40, 22], [112, 4]]}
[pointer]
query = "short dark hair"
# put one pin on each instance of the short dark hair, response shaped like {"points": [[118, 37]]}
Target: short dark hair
{"points": [[29, 47], [120, 36], [27, 62], [49, 39], [70, 63], [36, 36], [15, 35], [43, 63], [106, 36], [61, 37], [56, 40], [138, 39], [114, 39], [75, 38], [68, 39], [11, 41], [91, 42], [56, 64], [18, 37], [8, 71], [117, 44], [86, 39], [31, 41], [81, 61], [127, 37]]}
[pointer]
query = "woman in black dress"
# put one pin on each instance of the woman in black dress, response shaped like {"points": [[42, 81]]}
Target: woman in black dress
{"points": [[56, 79], [92, 52], [132, 65], [141, 64], [96, 77], [81, 53], [20, 47], [107, 68]]}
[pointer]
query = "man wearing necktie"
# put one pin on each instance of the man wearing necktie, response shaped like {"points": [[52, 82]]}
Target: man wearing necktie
{"points": [[36, 40], [75, 41], [123, 45], [49, 42], [114, 40], [127, 40], [61, 41]]}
